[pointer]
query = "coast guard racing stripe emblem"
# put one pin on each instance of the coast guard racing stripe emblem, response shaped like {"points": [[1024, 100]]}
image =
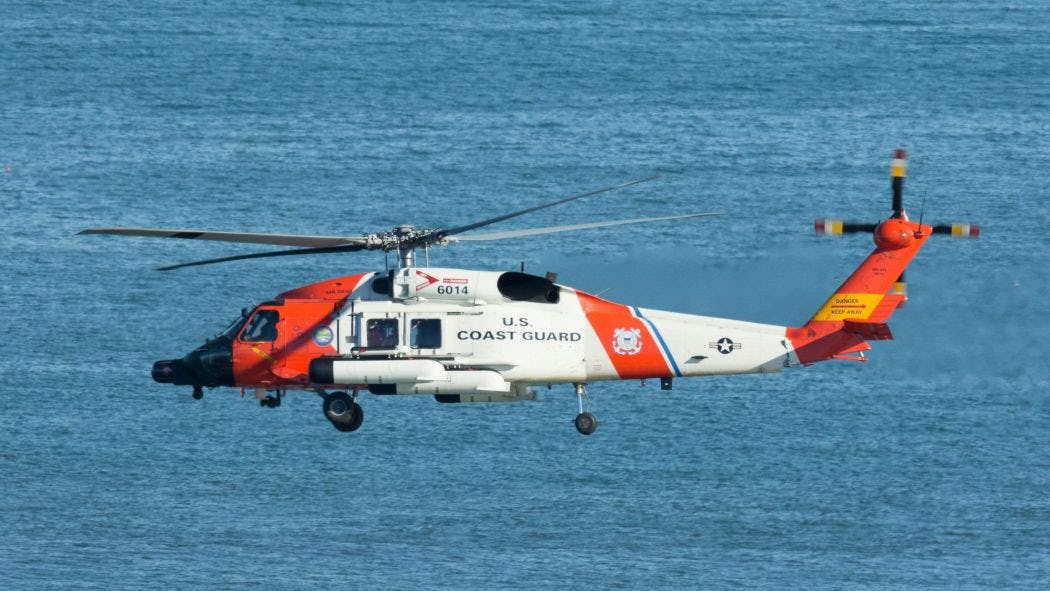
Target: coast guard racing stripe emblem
{"points": [[627, 341]]}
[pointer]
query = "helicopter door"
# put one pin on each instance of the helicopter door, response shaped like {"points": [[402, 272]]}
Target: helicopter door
{"points": [[262, 347], [458, 328]]}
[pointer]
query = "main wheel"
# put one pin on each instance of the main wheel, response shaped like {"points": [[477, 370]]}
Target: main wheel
{"points": [[586, 423], [345, 414]]}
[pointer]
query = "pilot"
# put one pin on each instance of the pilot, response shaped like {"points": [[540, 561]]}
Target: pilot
{"points": [[263, 327], [268, 331]]}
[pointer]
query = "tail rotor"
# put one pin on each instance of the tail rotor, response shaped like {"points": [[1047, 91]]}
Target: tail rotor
{"points": [[898, 171]]}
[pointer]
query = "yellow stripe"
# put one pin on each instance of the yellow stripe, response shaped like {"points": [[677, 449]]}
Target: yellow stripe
{"points": [[263, 354], [897, 168], [836, 227], [959, 230], [849, 306]]}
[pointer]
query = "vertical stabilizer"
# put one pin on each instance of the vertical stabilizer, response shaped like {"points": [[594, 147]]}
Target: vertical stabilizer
{"points": [[858, 310]]}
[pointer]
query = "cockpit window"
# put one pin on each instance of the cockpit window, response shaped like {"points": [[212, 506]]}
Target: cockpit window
{"points": [[262, 327], [230, 332]]}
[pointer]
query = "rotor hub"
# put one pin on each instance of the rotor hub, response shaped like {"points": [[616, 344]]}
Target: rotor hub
{"points": [[893, 234]]}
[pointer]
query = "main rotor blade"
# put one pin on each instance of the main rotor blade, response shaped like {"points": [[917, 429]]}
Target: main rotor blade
{"points": [[553, 229], [461, 229], [247, 237], [263, 255]]}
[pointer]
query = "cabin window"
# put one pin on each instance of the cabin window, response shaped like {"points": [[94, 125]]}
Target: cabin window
{"points": [[426, 333], [262, 327], [382, 333]]}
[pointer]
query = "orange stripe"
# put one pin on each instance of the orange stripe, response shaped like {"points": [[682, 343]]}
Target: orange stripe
{"points": [[641, 359]]}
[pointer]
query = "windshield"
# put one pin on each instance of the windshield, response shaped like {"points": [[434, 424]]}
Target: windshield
{"points": [[230, 332]]}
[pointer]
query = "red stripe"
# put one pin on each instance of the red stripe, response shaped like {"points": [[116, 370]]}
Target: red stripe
{"points": [[606, 318]]}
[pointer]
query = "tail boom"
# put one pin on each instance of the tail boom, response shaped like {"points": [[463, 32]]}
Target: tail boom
{"points": [[858, 310]]}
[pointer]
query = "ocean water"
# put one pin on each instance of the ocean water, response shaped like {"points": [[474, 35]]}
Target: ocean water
{"points": [[926, 468]]}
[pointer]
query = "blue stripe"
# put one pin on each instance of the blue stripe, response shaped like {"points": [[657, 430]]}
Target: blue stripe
{"points": [[659, 339]]}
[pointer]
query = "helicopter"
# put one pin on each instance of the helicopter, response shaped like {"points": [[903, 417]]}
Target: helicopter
{"points": [[472, 336]]}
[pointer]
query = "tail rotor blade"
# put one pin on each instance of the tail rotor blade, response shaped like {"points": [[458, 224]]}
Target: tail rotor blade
{"points": [[958, 230], [839, 227], [900, 287], [898, 168]]}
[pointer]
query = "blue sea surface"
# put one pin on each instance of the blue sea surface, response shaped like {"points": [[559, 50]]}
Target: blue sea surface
{"points": [[927, 468]]}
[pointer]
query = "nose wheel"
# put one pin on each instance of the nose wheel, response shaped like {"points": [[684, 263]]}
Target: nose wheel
{"points": [[586, 423], [343, 411]]}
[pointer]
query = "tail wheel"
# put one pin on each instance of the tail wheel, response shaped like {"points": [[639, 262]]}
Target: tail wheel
{"points": [[344, 413], [586, 423]]}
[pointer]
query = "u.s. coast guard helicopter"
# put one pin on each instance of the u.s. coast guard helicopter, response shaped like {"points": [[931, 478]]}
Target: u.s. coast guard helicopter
{"points": [[477, 336]]}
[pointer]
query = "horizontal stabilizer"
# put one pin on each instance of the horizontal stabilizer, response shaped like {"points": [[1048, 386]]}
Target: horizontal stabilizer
{"points": [[884, 309], [869, 331]]}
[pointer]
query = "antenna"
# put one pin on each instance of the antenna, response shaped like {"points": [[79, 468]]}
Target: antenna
{"points": [[922, 210]]}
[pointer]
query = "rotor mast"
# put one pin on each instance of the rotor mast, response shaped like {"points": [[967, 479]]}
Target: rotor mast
{"points": [[406, 250]]}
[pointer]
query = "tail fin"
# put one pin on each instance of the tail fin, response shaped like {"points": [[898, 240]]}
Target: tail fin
{"points": [[858, 310]]}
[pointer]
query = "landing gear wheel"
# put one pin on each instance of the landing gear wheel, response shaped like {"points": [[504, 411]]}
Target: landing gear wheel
{"points": [[344, 413], [586, 423], [270, 402], [198, 392], [355, 421]]}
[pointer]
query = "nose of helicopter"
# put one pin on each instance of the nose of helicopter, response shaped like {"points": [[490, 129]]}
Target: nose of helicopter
{"points": [[171, 371], [208, 365]]}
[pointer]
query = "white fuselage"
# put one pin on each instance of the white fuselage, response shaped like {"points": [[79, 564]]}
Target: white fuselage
{"points": [[538, 338]]}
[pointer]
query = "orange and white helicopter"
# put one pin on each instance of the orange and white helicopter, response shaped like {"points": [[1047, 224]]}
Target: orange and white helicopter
{"points": [[477, 336]]}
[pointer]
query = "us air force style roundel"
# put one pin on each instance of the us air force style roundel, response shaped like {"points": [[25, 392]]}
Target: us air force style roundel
{"points": [[725, 345], [627, 341]]}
